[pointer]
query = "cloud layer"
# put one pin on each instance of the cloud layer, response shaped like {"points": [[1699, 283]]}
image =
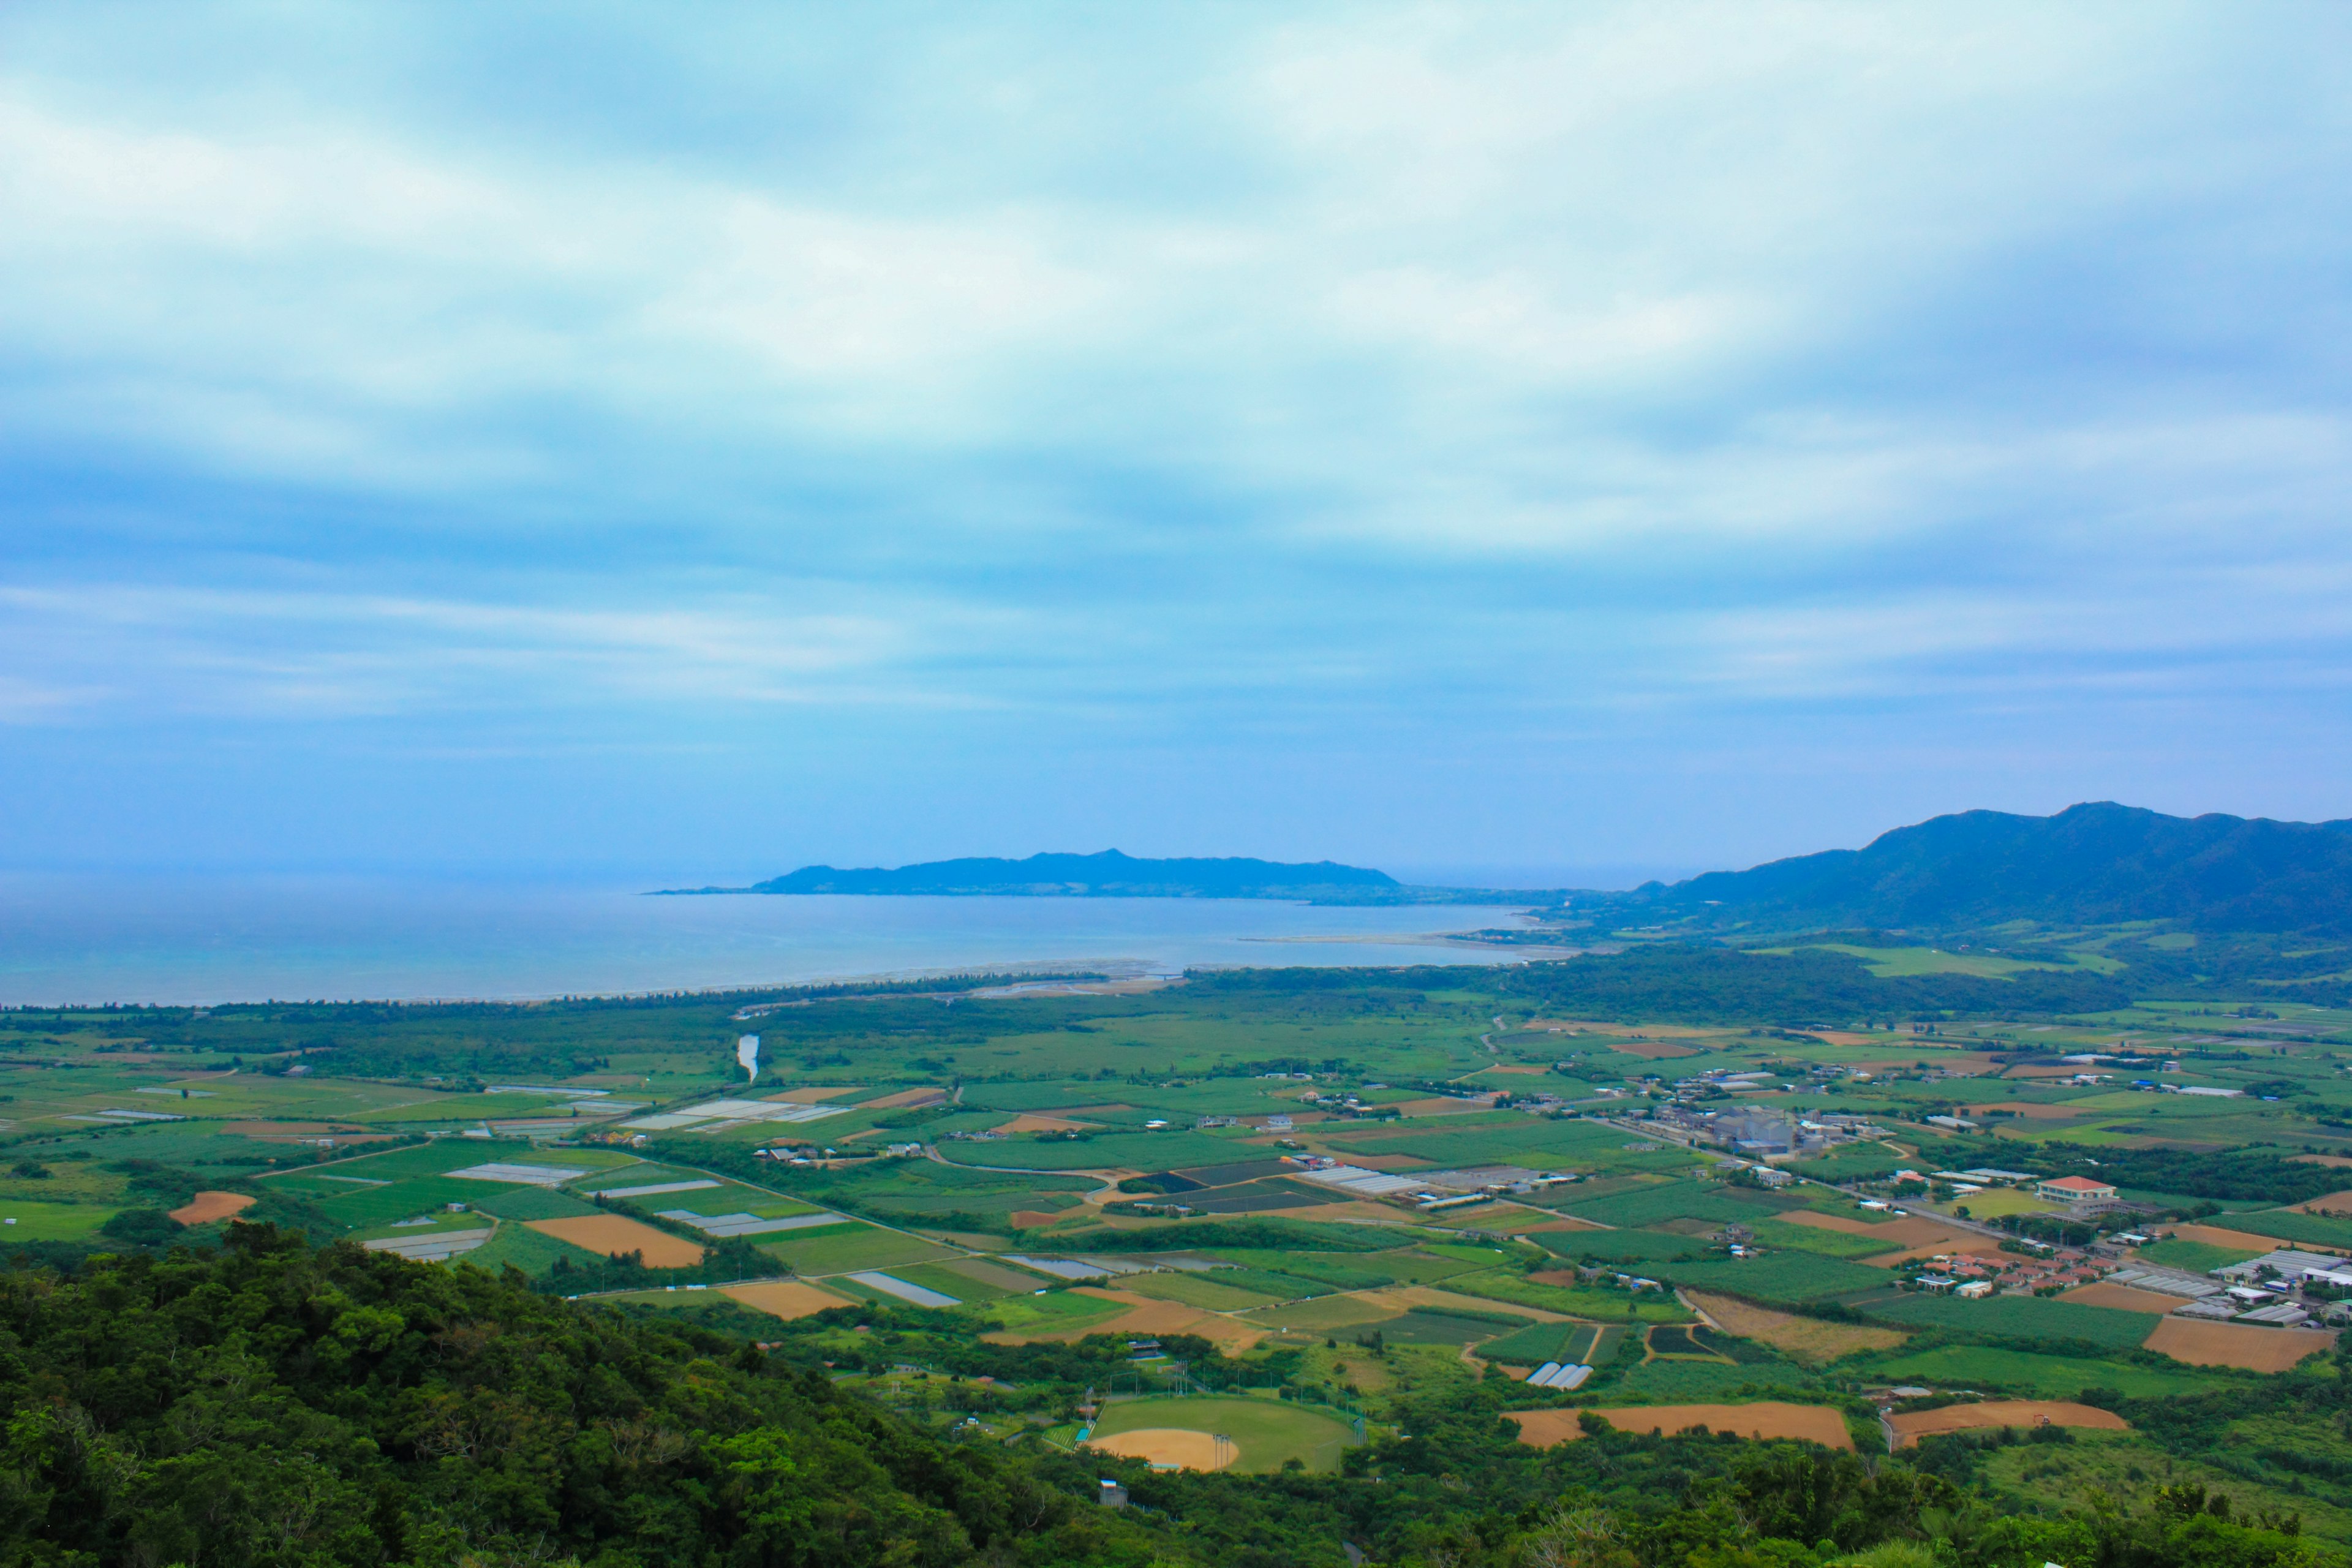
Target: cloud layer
{"points": [[1413, 434]]}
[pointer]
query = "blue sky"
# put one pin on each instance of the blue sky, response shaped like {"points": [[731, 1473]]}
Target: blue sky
{"points": [[686, 442]]}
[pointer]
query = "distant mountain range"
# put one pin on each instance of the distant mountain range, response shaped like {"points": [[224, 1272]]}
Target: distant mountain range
{"points": [[2100, 864], [1107, 875]]}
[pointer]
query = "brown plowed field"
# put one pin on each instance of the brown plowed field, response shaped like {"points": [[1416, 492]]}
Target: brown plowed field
{"points": [[2235, 1344], [2334, 1203], [209, 1206], [610, 1233], [1956, 1245], [2124, 1298], [906, 1097], [2240, 1240], [1806, 1340], [1031, 1123], [784, 1297], [1910, 1428], [1812, 1423], [1032, 1219]]}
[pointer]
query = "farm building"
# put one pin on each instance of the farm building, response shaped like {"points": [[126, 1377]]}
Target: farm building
{"points": [[2073, 1190]]}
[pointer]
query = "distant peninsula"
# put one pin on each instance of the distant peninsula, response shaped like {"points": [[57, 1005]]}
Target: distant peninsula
{"points": [[1108, 875]]}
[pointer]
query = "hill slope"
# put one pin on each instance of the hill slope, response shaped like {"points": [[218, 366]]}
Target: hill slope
{"points": [[2096, 864], [1107, 875]]}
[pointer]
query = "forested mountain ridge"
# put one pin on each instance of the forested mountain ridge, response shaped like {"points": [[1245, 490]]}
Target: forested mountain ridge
{"points": [[1108, 874], [2097, 864]]}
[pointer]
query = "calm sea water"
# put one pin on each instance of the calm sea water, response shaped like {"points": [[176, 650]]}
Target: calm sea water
{"points": [[83, 940]]}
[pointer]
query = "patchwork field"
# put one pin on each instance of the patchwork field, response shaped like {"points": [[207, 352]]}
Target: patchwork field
{"points": [[1807, 1423], [2025, 1413], [1806, 1340], [2237, 1344], [784, 1298]]}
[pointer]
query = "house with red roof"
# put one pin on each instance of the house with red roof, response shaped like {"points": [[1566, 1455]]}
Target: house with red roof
{"points": [[2073, 1190]]}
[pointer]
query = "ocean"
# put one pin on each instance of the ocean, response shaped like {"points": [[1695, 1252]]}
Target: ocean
{"points": [[206, 941]]}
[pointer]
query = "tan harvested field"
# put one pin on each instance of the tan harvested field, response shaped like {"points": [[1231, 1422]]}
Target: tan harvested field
{"points": [[784, 1297], [208, 1207], [2339, 1160], [1534, 1071], [2124, 1298], [906, 1097], [1164, 1445], [1439, 1301], [818, 1096], [1909, 1428], [1954, 1246], [1805, 1339], [2032, 1112], [1811, 1423], [610, 1233], [2242, 1240], [1652, 1050], [2236, 1344], [1030, 1123], [1033, 1219], [2333, 1202]]}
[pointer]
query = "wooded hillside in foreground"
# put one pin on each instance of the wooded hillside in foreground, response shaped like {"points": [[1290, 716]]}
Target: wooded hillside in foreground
{"points": [[269, 1404]]}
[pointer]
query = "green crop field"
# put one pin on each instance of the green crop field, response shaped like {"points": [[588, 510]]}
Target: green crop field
{"points": [[34, 1221], [2196, 1256], [1774, 1233], [1540, 1342], [2323, 1231], [1680, 1200], [1054, 1312], [2021, 1318], [1666, 1381], [839, 1250], [1427, 1326], [1779, 1277], [2021, 1373], [1265, 1432], [1620, 1245]]}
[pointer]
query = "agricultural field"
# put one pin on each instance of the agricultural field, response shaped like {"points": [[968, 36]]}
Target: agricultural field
{"points": [[618, 1155]]}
